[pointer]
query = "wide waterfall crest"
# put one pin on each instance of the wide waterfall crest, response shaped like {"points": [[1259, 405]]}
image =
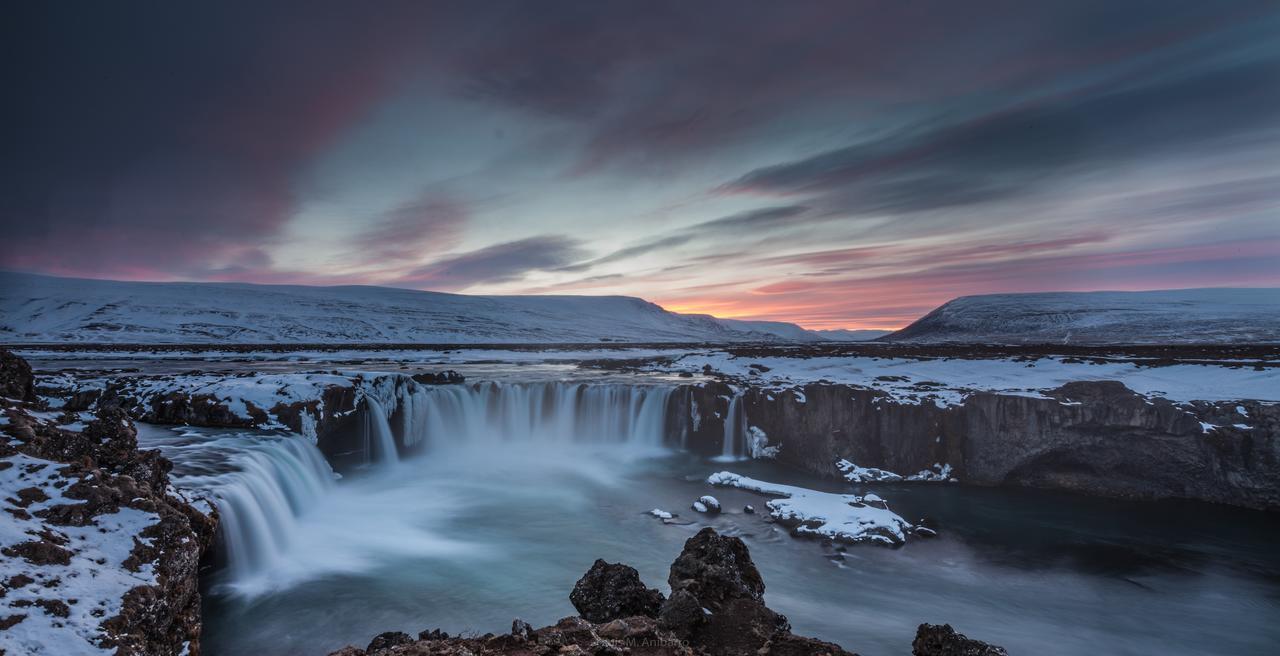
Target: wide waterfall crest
{"points": [[546, 413]]}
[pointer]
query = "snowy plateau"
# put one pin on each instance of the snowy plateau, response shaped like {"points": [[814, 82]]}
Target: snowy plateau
{"points": [[1177, 316], [43, 309]]}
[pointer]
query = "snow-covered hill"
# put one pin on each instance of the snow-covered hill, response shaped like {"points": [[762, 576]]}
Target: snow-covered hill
{"points": [[43, 309], [1176, 316]]}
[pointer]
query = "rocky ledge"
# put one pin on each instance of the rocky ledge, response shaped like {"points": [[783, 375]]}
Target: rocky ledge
{"points": [[716, 608], [100, 554], [1093, 437]]}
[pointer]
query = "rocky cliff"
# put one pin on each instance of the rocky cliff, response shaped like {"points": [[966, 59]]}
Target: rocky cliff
{"points": [[1091, 437], [99, 552], [1095, 437]]}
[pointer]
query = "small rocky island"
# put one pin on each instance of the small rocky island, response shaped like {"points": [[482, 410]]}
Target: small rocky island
{"points": [[716, 608]]}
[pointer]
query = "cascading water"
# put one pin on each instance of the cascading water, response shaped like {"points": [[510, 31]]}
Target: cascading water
{"points": [[260, 484], [379, 444], [493, 414], [733, 431], [283, 520], [259, 505]]}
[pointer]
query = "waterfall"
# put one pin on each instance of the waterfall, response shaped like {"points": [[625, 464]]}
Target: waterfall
{"points": [[733, 429], [271, 484], [379, 444], [493, 414]]}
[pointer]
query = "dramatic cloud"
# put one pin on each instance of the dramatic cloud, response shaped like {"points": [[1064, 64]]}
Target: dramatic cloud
{"points": [[410, 232], [864, 159], [497, 263]]}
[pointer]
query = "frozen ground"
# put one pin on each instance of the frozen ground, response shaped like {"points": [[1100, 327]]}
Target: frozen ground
{"points": [[947, 380], [59, 605]]}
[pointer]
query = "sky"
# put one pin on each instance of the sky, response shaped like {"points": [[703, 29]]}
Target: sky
{"points": [[843, 164]]}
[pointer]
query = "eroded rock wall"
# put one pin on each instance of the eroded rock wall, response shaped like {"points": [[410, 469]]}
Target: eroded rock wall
{"points": [[1094, 437]]}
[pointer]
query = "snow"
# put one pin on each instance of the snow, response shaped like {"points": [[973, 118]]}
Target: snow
{"points": [[43, 309], [758, 446], [240, 392], [1179, 316], [940, 473], [95, 577], [842, 517], [661, 514], [707, 503], [856, 474], [905, 378]]}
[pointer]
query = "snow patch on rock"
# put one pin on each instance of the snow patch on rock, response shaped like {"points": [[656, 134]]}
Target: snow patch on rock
{"points": [[841, 517]]}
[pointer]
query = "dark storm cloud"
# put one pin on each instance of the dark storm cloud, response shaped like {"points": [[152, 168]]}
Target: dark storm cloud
{"points": [[164, 140], [161, 140], [654, 81], [1014, 151], [497, 263]]}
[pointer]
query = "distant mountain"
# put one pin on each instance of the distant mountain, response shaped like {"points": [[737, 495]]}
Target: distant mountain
{"points": [[1177, 316], [842, 335], [45, 309]]}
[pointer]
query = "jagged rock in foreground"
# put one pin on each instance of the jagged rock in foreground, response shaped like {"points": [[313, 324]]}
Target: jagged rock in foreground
{"points": [[934, 640], [610, 591], [716, 608], [98, 555]]}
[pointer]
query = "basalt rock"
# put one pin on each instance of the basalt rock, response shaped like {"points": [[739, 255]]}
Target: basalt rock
{"points": [[16, 380], [935, 640], [1094, 437], [610, 591], [104, 473], [716, 569]]}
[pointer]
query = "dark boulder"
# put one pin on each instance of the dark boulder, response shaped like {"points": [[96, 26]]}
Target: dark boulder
{"points": [[611, 591], [715, 569], [681, 614], [715, 573], [16, 378], [935, 640], [741, 627]]}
